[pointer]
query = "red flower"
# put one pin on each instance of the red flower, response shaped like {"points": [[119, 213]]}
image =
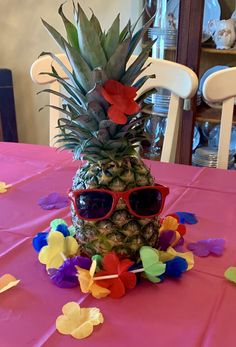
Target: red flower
{"points": [[121, 98], [125, 280]]}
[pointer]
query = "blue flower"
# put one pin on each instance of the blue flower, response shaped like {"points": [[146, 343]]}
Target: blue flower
{"points": [[187, 217], [40, 240], [174, 268], [62, 228]]}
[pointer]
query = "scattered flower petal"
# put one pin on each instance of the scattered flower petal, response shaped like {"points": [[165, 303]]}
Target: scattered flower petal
{"points": [[40, 240], [7, 281], [53, 201], [230, 274], [66, 275], [203, 248], [78, 322], [4, 186], [58, 245]]}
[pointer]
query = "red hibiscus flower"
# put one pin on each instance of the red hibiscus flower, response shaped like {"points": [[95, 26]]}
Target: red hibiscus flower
{"points": [[122, 102], [125, 280]]}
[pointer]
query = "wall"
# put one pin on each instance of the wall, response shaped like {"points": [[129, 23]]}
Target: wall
{"points": [[24, 38]]}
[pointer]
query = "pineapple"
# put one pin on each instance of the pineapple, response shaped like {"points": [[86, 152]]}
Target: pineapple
{"points": [[108, 147]]}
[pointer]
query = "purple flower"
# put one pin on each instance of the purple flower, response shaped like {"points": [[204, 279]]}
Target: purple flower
{"points": [[203, 248], [166, 238], [178, 246], [39, 241], [66, 275], [53, 200]]}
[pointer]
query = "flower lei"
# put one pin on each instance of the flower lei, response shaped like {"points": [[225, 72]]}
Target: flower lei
{"points": [[110, 275]]}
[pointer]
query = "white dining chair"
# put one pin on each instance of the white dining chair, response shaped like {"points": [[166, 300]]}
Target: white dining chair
{"points": [[220, 86], [180, 80]]}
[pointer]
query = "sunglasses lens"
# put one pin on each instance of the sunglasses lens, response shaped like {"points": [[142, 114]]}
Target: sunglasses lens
{"points": [[146, 202], [94, 205]]}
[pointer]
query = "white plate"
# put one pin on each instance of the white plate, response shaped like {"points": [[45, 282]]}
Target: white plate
{"points": [[212, 10]]}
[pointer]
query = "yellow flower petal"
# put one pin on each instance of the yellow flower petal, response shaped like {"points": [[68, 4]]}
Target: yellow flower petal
{"points": [[57, 249], [73, 311], [83, 331], [78, 322], [64, 325], [7, 281], [55, 262], [169, 223], [87, 284], [99, 292], [177, 237], [188, 256], [165, 256], [93, 268], [4, 187], [71, 246], [85, 279], [93, 314]]}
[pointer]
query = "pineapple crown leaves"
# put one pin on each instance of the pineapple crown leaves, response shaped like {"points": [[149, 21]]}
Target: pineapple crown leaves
{"points": [[95, 57]]}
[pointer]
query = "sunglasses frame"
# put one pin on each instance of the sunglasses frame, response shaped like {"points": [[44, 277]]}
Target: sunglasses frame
{"points": [[73, 194]]}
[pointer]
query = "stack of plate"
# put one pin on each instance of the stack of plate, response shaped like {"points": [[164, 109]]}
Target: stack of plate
{"points": [[161, 100], [207, 156], [166, 37]]}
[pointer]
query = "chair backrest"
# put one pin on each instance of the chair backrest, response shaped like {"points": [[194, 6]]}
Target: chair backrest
{"points": [[177, 78], [220, 86]]}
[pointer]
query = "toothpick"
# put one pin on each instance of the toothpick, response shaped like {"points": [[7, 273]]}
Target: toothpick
{"points": [[63, 256], [108, 277]]}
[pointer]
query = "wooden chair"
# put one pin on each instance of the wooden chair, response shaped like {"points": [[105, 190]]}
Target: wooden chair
{"points": [[179, 79], [220, 86]]}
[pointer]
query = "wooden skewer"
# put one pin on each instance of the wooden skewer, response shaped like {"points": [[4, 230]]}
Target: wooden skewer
{"points": [[115, 276]]}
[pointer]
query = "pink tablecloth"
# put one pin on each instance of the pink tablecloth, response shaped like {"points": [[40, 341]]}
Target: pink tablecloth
{"points": [[197, 310]]}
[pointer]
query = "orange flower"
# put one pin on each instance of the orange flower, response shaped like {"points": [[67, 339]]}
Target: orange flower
{"points": [[122, 102]]}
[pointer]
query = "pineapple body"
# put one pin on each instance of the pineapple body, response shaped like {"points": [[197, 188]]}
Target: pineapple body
{"points": [[122, 233]]}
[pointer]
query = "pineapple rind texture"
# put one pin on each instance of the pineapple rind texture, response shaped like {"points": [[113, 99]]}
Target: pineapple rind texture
{"points": [[122, 233]]}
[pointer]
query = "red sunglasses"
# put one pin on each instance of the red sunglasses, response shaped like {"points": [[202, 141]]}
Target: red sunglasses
{"points": [[99, 204]]}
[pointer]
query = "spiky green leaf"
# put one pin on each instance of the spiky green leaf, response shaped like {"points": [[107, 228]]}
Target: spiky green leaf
{"points": [[126, 31], [64, 68], [116, 65], [71, 31], [96, 25], [111, 39], [89, 42], [137, 37], [81, 69], [75, 106], [138, 84], [55, 34], [134, 70]]}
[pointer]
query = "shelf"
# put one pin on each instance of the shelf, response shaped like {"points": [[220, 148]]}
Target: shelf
{"points": [[210, 50], [204, 114], [211, 115], [218, 51]]}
